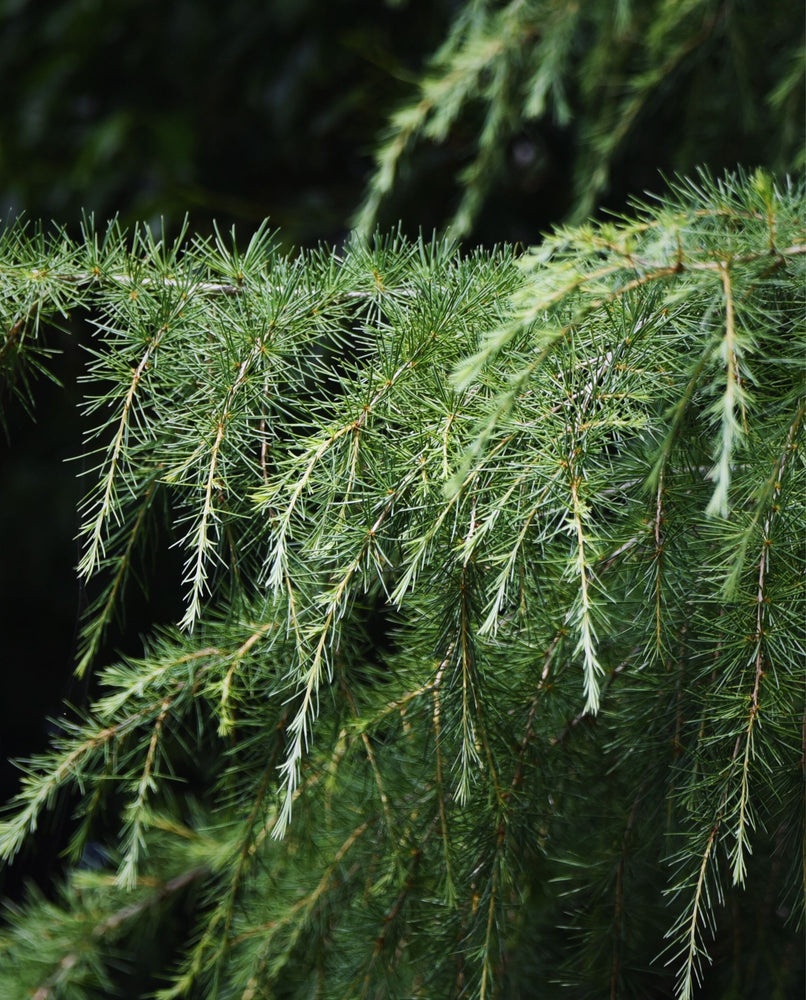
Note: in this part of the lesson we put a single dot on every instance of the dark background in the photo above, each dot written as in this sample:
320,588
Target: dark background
151,109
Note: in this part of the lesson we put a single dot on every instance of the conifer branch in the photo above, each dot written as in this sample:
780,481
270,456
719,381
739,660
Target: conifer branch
393,571
101,615
108,502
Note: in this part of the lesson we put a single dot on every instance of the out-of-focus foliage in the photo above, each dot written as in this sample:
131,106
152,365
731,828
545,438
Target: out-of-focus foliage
631,88
235,111
528,110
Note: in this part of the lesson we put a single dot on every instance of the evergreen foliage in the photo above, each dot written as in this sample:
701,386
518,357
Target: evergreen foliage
490,677
605,73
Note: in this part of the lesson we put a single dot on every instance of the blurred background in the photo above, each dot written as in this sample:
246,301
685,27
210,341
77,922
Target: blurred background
151,109
154,109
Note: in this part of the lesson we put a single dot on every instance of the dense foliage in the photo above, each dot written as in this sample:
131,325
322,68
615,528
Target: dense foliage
489,680
487,669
